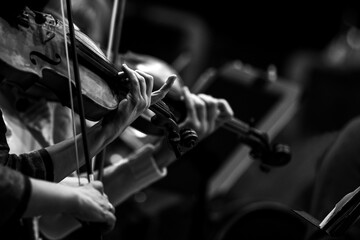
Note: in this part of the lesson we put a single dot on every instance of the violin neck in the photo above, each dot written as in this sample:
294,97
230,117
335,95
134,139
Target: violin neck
162,108
94,59
237,126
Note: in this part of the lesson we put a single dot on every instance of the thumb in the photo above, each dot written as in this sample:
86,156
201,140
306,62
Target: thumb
159,94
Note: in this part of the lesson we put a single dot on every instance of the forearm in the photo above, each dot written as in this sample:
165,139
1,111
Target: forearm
49,198
63,154
15,194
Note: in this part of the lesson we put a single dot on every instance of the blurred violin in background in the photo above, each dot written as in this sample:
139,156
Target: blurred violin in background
258,141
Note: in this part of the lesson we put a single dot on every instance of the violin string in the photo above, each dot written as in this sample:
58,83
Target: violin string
71,98
91,52
163,108
97,59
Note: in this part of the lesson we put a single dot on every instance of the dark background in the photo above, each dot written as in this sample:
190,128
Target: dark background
257,32
260,34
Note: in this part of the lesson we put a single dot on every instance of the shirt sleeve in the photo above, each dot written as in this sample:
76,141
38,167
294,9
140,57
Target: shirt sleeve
36,164
15,193
133,174
144,167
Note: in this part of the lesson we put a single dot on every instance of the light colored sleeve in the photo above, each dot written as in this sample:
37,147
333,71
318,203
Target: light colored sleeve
131,175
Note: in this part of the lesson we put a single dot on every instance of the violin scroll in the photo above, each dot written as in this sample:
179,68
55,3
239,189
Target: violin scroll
270,155
189,138
179,139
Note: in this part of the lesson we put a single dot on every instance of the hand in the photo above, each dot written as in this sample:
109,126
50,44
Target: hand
93,206
137,100
205,113
133,105
159,94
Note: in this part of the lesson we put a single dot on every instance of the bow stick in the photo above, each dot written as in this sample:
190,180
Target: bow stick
89,170
73,51
117,17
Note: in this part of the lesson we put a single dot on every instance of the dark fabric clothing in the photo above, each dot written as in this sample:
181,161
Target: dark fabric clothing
36,164
15,193
15,186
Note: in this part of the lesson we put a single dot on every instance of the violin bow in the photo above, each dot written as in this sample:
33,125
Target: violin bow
73,51
117,18
89,170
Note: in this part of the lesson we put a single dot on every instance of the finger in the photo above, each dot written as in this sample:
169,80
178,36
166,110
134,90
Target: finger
110,220
163,90
212,110
201,112
189,103
142,84
106,196
149,80
226,112
98,186
111,208
133,80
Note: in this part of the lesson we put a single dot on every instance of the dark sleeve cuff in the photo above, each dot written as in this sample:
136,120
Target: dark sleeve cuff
49,167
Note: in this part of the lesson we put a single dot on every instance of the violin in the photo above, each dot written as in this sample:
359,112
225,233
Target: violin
32,53
258,141
33,58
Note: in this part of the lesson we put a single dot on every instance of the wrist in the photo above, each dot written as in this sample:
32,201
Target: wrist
109,132
102,133
72,202
50,198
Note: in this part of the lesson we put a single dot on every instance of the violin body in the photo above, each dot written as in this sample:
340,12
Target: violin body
32,54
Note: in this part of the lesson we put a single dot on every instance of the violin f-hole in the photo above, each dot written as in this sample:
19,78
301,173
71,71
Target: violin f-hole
43,57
